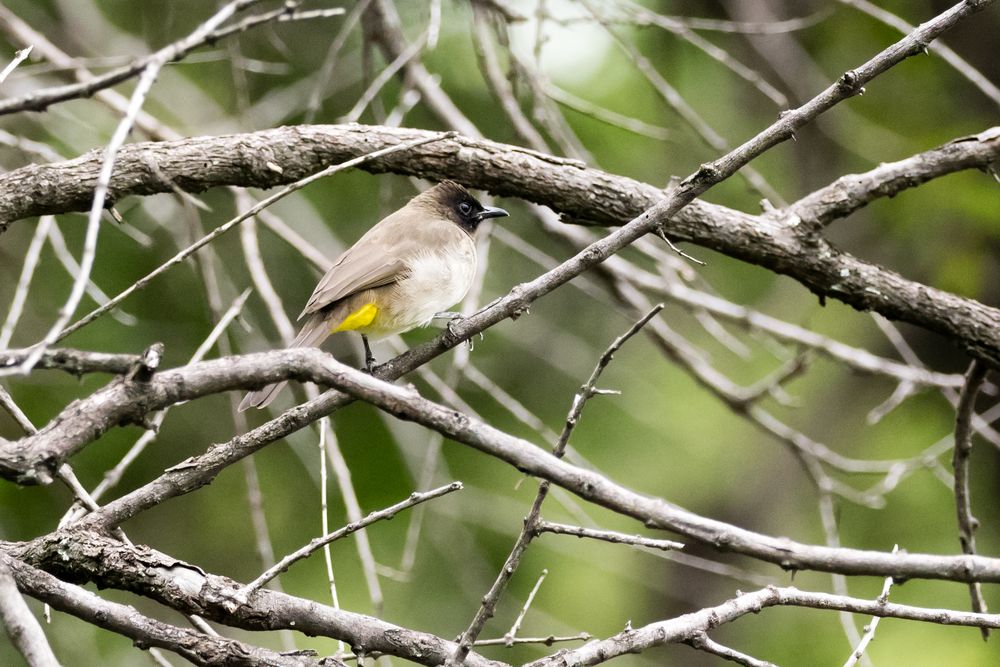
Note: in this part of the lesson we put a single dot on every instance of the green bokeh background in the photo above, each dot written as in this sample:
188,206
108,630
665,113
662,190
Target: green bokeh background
664,435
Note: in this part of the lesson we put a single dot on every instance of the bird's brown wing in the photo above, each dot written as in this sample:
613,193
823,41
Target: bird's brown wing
378,258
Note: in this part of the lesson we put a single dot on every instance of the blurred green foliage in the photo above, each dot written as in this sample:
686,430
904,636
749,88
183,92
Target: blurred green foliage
664,435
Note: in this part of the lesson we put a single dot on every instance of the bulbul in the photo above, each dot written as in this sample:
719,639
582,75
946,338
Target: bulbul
414,263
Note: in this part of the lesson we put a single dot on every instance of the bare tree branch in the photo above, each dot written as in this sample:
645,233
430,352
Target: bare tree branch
35,458
703,642
606,536
967,523
853,191
74,362
308,364
197,647
40,100
526,457
626,271
859,651
960,65
683,628
576,191
19,58
389,512
79,555
382,25
21,625
528,530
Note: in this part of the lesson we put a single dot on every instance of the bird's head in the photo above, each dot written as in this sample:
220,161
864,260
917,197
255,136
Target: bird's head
452,201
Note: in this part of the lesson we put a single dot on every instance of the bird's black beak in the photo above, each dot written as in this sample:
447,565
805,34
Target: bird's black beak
492,212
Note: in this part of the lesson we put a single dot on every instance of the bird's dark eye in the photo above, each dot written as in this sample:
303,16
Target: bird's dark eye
465,208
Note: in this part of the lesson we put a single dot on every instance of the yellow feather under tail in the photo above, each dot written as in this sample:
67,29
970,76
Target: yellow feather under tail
360,318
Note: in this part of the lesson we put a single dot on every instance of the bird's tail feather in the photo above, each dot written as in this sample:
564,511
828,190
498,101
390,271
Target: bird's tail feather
314,332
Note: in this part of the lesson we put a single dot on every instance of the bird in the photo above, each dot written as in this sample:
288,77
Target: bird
412,265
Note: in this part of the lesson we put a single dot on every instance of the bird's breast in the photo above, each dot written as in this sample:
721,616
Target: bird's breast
439,279
436,280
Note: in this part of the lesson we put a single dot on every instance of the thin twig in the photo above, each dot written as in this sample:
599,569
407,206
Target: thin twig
489,64
607,116
606,536
967,523
831,531
325,74
702,642
961,66
545,641
114,475
720,55
586,391
14,410
410,53
488,605
224,321
65,257
512,633
742,401
505,399
44,152
149,73
883,597
281,229
672,97
260,278
640,16
331,579
282,565
19,57
208,32
895,336
342,473
384,25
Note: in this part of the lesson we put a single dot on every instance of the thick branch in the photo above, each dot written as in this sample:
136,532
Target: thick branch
849,193
654,512
197,647
75,362
313,365
272,157
126,400
269,158
81,556
685,627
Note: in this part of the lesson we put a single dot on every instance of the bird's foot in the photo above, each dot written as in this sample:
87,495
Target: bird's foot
450,320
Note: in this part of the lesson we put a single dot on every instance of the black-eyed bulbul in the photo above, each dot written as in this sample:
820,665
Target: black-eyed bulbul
413,264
